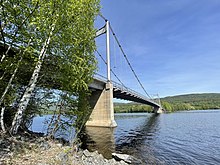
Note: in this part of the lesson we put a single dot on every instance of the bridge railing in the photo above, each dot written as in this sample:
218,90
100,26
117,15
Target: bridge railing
130,91
124,88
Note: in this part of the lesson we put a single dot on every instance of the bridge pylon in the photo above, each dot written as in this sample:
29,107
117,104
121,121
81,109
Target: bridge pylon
101,103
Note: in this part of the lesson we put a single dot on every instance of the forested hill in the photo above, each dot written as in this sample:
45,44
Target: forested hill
192,101
176,103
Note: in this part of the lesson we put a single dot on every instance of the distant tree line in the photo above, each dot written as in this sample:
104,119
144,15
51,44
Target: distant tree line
131,108
176,103
192,102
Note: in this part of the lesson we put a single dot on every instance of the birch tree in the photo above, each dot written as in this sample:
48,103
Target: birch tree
31,86
13,33
61,28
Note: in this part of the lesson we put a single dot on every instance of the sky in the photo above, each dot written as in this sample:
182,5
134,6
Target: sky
173,45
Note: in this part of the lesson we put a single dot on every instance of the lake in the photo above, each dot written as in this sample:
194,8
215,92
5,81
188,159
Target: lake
187,137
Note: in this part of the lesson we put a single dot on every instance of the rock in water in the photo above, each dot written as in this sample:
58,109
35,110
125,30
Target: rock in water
126,158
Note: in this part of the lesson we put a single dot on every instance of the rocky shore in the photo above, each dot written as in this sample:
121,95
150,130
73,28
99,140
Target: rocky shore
38,150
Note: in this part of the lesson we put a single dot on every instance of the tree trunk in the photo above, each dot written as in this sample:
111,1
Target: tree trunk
30,88
4,54
13,75
10,81
2,119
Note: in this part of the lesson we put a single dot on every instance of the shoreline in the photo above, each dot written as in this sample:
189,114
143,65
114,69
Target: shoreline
36,149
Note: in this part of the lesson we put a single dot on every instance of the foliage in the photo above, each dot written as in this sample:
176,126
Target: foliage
167,106
69,64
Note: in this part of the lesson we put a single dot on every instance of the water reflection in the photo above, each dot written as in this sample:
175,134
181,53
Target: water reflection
40,124
138,135
139,140
101,139
132,131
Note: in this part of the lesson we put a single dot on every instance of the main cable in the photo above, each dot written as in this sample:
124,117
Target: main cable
102,17
110,68
125,56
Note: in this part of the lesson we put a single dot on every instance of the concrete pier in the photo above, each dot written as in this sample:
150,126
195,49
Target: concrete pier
158,110
103,111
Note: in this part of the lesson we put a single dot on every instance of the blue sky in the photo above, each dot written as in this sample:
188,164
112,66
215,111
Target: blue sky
173,45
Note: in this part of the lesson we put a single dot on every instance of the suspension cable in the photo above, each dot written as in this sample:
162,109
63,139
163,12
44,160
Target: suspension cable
102,17
126,58
110,68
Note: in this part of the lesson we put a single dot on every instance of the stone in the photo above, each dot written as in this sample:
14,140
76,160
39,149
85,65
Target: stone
18,137
63,157
44,145
59,145
22,139
111,161
10,153
87,153
94,158
6,149
126,158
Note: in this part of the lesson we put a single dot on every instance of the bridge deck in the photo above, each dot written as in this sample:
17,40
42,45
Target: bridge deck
122,92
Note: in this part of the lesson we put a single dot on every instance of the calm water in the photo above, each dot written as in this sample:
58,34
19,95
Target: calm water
40,124
178,138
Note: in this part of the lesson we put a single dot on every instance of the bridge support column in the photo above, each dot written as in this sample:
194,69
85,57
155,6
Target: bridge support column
158,110
103,111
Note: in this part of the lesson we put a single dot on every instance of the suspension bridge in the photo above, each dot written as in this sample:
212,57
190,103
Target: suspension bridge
105,89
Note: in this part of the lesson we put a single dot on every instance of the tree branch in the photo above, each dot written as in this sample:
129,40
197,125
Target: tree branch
17,30
2,33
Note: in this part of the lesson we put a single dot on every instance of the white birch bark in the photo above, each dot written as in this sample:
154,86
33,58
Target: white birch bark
6,90
10,81
3,96
3,56
31,86
2,119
